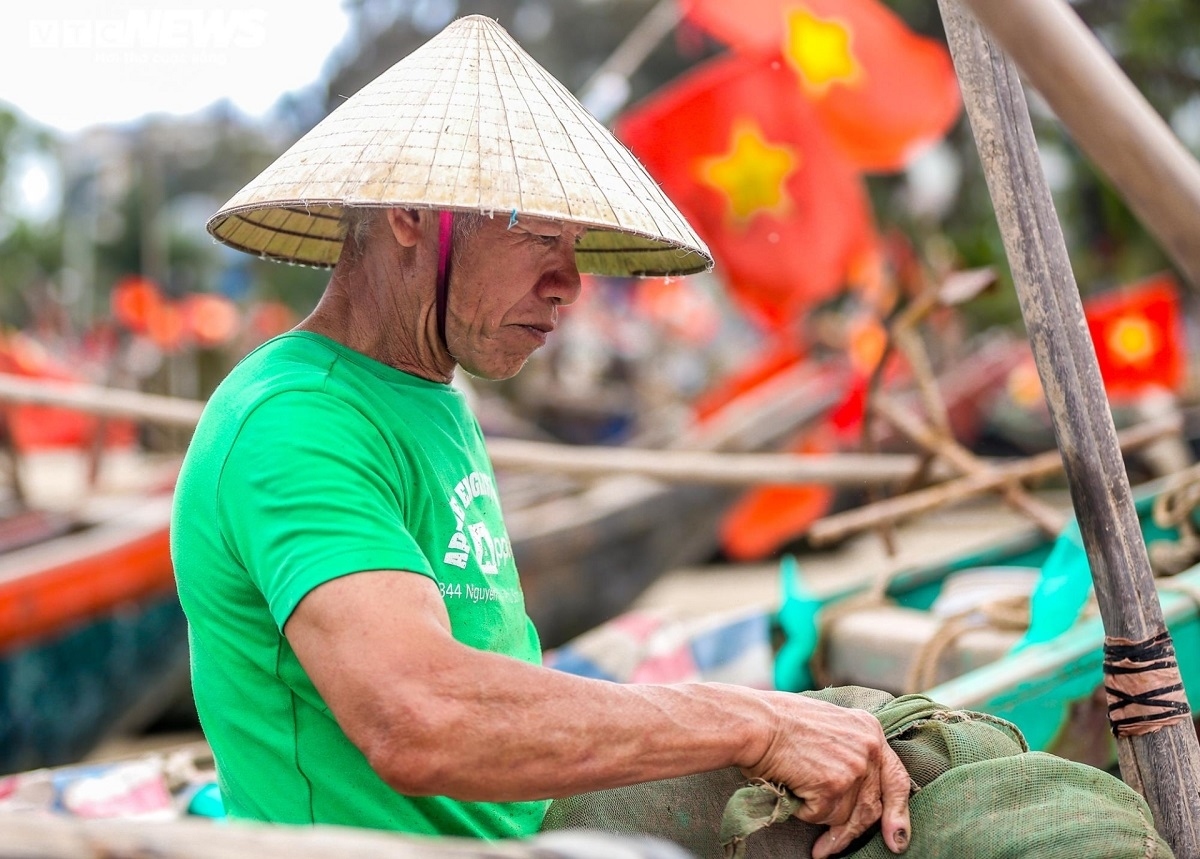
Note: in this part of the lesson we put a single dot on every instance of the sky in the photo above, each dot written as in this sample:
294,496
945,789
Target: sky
70,64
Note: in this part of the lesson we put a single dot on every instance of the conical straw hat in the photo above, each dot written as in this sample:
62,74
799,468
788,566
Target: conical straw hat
468,122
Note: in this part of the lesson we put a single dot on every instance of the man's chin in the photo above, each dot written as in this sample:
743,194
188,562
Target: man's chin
494,373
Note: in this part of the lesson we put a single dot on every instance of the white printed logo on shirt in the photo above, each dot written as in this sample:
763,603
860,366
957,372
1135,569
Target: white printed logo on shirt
489,551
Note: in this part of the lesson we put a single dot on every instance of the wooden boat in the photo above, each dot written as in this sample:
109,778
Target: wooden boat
585,557
92,639
1048,690
586,552
1052,690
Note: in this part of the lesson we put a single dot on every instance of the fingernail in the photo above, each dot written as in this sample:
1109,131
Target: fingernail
901,838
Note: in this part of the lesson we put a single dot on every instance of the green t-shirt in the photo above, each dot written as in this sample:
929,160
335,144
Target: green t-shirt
311,462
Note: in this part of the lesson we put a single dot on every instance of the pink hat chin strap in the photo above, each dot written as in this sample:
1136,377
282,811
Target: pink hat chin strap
445,232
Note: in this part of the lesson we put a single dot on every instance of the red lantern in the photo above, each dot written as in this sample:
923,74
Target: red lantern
134,301
211,320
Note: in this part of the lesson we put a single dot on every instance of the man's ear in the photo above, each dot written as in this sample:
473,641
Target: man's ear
405,225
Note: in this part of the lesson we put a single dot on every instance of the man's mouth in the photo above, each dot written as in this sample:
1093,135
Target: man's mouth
538,330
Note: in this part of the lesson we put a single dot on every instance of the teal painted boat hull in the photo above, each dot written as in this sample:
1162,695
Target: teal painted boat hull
62,695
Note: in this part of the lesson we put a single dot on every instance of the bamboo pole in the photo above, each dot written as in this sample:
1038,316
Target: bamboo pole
1111,121
98,400
681,466
841,525
607,90
726,469
1162,761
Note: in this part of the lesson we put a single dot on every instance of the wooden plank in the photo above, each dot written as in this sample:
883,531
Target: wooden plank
1163,763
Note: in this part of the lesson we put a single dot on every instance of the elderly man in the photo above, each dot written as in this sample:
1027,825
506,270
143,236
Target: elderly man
337,505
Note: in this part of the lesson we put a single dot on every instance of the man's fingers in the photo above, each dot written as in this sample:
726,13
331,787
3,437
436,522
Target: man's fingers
895,822
865,812
820,809
830,842
831,808
835,839
883,798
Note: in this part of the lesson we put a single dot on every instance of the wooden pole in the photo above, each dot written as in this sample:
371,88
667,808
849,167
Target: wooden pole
680,466
607,90
1164,758
99,400
725,469
1050,520
1110,120
840,525
28,836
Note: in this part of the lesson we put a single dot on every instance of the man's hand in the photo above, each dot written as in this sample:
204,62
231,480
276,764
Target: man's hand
838,762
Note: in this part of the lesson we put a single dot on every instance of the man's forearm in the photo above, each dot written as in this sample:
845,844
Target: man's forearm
478,726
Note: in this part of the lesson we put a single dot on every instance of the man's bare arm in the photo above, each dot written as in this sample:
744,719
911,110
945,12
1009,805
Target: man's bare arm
434,716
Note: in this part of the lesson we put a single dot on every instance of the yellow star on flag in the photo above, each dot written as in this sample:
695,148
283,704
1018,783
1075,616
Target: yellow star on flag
751,174
821,50
1133,340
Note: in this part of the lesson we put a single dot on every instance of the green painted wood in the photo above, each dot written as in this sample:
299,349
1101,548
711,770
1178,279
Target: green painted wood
1039,688
1036,687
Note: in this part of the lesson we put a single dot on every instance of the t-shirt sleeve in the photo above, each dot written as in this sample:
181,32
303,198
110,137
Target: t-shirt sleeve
304,498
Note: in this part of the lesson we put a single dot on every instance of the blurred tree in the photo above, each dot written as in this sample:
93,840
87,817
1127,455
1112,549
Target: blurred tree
180,173
204,160
30,247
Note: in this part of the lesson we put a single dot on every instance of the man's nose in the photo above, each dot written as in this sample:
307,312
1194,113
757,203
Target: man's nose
565,286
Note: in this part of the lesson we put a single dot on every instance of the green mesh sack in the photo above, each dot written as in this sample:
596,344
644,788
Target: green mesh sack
978,793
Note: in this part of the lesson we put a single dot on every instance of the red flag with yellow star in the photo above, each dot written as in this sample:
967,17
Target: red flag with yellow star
882,91
783,211
1136,332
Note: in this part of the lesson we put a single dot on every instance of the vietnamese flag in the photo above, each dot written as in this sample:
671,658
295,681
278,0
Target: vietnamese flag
881,91
744,157
1137,334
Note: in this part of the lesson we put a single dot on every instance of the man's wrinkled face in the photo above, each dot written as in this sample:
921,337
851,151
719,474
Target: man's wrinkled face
506,285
